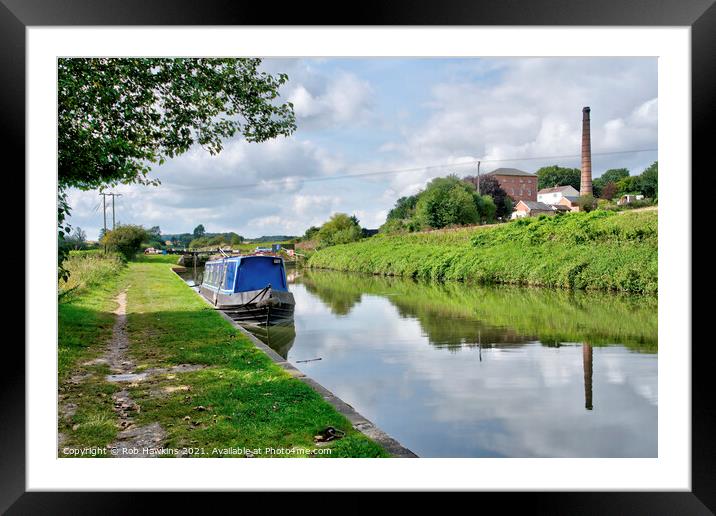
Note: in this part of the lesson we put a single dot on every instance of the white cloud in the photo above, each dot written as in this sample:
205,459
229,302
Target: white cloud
343,99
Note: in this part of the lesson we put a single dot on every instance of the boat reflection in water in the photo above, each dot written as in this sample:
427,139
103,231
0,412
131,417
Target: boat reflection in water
279,337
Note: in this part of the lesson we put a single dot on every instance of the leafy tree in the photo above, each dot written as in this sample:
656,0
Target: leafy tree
77,239
548,177
117,116
199,231
629,185
488,209
446,201
404,208
311,233
614,175
609,190
125,240
649,181
489,185
339,229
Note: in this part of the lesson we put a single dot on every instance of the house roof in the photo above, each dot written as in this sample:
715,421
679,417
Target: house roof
572,198
536,205
509,172
557,189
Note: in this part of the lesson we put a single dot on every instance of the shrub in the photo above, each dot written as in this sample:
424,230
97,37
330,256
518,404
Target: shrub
587,203
446,201
125,240
340,229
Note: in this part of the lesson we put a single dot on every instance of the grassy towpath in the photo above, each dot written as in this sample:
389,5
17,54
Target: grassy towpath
185,380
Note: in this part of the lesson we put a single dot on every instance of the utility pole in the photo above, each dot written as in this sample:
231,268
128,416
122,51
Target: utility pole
104,216
104,210
478,178
113,196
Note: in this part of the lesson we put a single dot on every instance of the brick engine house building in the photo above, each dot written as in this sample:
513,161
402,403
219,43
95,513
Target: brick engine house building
518,184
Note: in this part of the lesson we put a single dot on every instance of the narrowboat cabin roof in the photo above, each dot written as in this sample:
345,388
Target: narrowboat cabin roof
245,273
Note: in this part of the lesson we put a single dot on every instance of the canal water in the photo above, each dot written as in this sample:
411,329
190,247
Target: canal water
454,370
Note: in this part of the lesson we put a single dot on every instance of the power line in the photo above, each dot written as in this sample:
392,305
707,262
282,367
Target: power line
397,171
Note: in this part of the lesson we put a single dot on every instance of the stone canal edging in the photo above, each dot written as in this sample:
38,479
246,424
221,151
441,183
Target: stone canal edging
359,422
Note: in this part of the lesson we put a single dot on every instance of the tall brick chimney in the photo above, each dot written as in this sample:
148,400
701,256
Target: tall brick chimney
585,185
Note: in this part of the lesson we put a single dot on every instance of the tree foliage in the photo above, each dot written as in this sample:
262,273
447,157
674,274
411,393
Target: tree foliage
216,239
445,201
489,185
404,208
587,203
649,181
125,240
629,185
450,201
339,229
75,240
554,175
609,191
311,233
613,175
199,231
117,115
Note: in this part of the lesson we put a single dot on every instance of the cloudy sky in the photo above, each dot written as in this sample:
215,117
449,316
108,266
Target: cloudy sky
414,119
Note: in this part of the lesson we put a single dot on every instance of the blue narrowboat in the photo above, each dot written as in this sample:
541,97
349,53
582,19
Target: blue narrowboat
250,289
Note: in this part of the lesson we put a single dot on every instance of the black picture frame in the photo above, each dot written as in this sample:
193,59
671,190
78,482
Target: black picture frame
700,15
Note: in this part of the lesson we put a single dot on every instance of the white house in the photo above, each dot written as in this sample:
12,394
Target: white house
556,194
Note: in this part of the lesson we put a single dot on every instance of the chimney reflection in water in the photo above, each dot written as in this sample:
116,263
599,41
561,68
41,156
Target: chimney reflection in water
587,363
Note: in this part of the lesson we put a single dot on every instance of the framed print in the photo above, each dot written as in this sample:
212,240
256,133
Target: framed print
426,242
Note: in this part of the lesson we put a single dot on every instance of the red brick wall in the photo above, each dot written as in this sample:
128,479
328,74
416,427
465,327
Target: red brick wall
520,188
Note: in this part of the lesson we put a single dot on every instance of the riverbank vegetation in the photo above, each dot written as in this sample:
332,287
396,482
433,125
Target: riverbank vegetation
597,250
88,269
233,396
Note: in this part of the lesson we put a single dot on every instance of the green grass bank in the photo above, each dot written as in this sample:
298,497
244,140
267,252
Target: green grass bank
239,399
598,250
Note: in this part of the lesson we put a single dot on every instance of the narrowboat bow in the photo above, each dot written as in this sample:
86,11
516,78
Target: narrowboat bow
250,289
